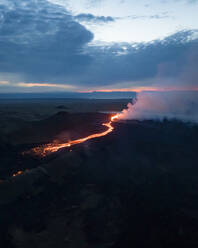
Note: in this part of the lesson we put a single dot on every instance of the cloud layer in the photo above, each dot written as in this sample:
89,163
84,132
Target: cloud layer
92,18
40,41
43,43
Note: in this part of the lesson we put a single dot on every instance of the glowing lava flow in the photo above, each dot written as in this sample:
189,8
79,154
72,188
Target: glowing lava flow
17,173
53,147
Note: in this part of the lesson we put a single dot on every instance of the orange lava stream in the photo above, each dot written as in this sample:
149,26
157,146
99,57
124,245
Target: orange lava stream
17,173
53,147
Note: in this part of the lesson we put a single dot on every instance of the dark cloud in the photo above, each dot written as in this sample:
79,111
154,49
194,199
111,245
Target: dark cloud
40,42
92,18
125,63
107,19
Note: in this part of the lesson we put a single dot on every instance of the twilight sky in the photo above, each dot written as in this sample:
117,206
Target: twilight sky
88,45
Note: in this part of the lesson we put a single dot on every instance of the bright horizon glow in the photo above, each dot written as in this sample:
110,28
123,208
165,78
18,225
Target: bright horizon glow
72,89
42,87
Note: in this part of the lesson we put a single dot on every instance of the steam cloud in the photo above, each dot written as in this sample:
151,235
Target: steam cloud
160,105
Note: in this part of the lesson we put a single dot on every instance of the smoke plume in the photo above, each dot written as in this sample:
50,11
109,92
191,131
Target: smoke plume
160,105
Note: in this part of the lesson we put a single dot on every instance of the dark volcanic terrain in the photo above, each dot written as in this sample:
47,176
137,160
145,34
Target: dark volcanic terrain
136,187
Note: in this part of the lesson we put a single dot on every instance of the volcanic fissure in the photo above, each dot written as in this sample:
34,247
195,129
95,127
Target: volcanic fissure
54,147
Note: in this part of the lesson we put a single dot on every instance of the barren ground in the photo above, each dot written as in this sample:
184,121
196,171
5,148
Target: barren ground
136,187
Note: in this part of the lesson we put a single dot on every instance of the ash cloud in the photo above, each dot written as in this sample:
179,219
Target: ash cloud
182,106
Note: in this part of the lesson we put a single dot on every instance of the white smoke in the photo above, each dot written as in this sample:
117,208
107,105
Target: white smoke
160,105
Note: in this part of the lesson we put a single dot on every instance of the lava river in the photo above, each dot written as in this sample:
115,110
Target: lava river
54,147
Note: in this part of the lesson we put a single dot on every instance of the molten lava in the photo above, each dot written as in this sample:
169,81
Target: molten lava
53,147
17,173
